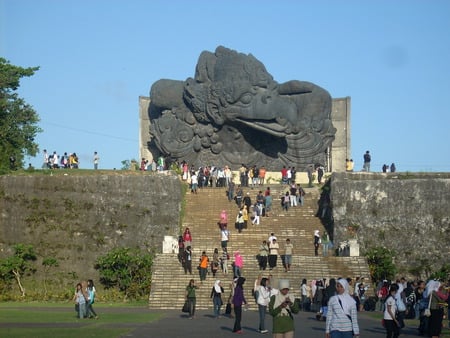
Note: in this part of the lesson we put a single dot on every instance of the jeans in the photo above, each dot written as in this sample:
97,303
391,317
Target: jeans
262,316
341,334
90,311
191,302
203,272
217,302
82,310
325,249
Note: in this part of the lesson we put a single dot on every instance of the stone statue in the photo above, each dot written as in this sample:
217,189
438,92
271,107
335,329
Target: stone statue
233,112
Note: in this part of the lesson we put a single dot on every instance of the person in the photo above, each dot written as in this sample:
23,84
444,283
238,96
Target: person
239,196
96,159
390,320
271,237
367,159
382,293
216,295
262,175
224,236
438,298
393,168
305,294
247,201
80,301
351,165
161,163
284,175
181,249
240,221
238,301
75,161
309,171
203,266
255,214
188,260
317,241
342,320
288,247
281,307
268,201
301,195
191,298
325,243
238,263
263,252
285,201
194,182
328,292
362,288
273,253
317,298
230,190
224,261
347,165
45,164
228,181
91,299
293,195
256,286
263,299
320,172
187,237
215,262
245,216
400,301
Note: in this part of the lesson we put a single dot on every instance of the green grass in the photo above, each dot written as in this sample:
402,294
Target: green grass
59,320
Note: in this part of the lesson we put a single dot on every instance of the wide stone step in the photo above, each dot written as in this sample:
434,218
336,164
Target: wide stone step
171,286
201,216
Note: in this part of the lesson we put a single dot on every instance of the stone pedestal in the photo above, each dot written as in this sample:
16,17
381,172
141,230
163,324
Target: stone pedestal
170,244
353,247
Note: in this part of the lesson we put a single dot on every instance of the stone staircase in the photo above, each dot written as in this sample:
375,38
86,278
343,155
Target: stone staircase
201,216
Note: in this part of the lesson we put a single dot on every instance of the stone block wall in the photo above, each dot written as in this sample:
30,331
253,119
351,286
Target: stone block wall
76,219
406,212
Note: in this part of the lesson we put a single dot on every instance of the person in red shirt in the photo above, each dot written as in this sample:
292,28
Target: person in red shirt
187,238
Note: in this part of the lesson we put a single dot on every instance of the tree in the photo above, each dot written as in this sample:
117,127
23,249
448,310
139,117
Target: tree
127,269
381,265
48,263
16,266
18,120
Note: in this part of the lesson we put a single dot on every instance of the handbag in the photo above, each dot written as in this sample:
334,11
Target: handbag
400,305
228,309
185,307
427,311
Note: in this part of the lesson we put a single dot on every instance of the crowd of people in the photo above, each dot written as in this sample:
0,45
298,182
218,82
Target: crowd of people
398,300
336,302
65,161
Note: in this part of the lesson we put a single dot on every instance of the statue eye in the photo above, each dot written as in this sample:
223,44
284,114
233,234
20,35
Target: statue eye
246,98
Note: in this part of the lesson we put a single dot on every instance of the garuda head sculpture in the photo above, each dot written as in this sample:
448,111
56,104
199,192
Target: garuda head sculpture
233,112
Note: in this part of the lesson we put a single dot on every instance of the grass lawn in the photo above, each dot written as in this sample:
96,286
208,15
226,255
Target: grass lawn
59,320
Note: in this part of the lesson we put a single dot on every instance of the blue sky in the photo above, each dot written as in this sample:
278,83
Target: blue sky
97,57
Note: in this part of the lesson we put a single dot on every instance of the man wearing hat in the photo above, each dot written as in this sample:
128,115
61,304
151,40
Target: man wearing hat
281,307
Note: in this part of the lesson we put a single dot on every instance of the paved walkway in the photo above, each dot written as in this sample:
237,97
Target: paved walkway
175,324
